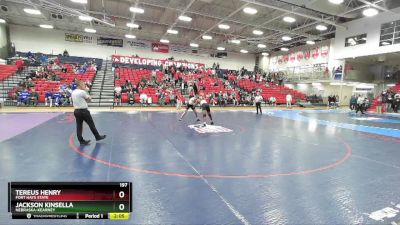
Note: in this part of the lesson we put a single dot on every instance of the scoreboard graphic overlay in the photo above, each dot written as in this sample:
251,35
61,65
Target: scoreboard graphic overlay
70,200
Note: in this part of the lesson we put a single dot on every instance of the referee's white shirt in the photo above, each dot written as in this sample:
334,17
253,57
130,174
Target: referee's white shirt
258,98
79,99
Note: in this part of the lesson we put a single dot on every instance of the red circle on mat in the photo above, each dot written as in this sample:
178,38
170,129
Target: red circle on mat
218,176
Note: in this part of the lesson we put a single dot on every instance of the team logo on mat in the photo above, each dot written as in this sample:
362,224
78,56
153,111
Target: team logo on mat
199,128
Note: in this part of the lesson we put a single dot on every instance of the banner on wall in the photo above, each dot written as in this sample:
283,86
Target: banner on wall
78,38
159,47
153,62
138,44
110,42
315,54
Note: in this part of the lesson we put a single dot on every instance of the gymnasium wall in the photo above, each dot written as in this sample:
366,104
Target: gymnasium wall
372,27
4,41
326,89
272,62
53,42
359,72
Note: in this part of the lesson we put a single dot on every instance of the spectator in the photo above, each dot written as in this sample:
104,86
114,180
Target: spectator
44,60
20,65
131,98
48,98
221,99
361,104
389,101
64,99
34,97
88,84
178,103
57,99
272,101
135,89
353,102
143,99
23,98
378,105
384,96
396,102
288,100
65,53
117,95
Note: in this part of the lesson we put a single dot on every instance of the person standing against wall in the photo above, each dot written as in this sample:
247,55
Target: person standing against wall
379,105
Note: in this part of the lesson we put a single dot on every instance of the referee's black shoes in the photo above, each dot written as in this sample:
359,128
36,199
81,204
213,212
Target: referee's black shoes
85,142
101,137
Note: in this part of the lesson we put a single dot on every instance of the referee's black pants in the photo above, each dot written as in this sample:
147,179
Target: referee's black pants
84,115
258,106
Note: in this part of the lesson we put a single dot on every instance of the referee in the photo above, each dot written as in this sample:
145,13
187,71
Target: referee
79,99
258,99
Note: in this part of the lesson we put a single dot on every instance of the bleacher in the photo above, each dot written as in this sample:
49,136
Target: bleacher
135,76
7,71
278,91
41,86
65,59
215,85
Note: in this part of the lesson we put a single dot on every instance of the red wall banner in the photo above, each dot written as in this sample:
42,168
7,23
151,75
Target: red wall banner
154,62
159,47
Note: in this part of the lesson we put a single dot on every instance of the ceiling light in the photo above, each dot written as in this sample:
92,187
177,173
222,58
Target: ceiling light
336,2
385,43
85,18
370,12
46,26
132,25
289,19
258,32
250,11
286,38
2,21
80,1
261,46
310,42
32,11
130,36
223,26
321,27
172,32
235,41
221,49
284,49
244,51
164,41
90,30
207,37
136,10
265,54
194,45
185,18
